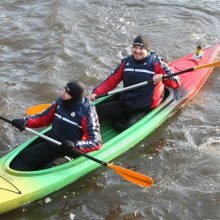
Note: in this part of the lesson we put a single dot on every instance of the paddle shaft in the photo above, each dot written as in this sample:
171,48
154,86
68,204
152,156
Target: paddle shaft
5,119
39,108
163,78
58,143
129,175
143,83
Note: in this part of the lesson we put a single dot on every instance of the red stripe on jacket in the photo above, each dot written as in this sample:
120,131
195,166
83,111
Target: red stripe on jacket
159,87
43,119
111,82
91,140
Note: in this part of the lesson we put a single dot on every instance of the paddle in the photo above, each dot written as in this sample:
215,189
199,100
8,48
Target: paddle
39,108
129,175
163,78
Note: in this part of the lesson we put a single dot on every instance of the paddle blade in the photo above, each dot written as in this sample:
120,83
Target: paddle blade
36,109
132,176
207,65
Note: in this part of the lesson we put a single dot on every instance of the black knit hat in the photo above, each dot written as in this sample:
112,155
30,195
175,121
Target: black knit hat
141,41
76,90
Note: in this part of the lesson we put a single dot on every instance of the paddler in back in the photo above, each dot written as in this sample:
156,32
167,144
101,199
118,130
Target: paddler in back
74,123
142,65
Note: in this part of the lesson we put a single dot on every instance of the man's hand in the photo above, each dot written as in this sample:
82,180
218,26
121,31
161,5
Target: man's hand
19,123
67,146
92,96
157,78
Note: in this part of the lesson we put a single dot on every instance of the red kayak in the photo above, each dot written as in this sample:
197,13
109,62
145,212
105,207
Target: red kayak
193,81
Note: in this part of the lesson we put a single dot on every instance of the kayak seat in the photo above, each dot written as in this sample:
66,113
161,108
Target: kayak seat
125,124
135,117
58,161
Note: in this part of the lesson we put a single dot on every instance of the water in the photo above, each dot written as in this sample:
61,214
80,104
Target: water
44,44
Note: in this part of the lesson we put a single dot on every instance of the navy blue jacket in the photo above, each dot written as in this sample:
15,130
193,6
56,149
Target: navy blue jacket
77,122
132,72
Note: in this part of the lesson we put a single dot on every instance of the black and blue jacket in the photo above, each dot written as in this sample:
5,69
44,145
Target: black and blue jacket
77,122
131,72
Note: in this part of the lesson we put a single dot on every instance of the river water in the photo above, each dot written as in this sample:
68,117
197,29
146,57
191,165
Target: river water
44,44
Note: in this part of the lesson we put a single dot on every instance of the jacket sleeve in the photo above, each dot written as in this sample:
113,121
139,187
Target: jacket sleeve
162,68
91,140
43,119
112,81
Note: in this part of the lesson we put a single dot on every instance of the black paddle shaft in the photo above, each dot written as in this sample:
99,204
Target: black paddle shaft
5,119
90,157
177,73
75,151
143,83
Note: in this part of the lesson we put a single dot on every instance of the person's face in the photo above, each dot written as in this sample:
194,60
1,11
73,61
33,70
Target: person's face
138,52
65,95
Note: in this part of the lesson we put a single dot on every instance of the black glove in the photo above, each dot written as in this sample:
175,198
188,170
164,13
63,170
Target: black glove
67,146
19,123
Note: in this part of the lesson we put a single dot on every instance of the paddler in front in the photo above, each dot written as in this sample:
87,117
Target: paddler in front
74,123
142,65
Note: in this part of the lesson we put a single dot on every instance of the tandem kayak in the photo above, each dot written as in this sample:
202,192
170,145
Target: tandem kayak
18,187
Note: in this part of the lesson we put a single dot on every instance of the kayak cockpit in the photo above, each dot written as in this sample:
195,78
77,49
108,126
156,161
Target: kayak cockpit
108,133
109,129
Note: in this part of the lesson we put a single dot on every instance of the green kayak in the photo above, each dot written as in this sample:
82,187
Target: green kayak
18,188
